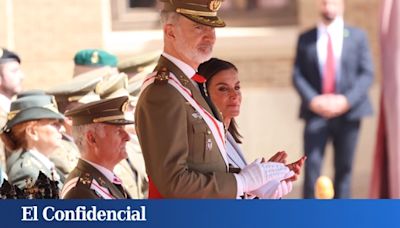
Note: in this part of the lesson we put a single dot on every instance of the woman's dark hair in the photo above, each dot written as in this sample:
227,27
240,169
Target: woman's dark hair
208,70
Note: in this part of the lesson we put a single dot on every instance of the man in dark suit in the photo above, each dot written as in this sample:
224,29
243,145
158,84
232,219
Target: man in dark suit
99,132
332,74
183,143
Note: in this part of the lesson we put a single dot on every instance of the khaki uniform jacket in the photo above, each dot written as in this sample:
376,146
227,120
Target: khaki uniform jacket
86,174
174,142
66,156
23,167
3,120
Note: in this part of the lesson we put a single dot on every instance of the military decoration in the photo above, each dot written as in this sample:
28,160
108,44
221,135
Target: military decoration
214,5
95,57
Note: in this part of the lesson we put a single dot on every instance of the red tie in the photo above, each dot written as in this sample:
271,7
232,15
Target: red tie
198,78
329,70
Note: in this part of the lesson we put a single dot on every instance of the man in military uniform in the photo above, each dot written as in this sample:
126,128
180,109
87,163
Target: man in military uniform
11,77
99,132
182,139
132,169
89,59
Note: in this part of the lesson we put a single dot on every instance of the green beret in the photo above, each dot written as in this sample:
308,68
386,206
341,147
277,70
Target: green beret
95,57
34,107
200,11
6,56
110,111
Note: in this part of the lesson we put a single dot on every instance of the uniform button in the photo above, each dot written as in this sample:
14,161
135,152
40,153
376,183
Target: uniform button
208,132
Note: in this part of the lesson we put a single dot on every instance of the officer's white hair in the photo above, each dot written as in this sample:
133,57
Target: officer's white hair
79,135
167,17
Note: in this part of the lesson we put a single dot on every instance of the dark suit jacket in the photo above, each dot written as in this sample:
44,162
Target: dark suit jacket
356,72
87,173
173,141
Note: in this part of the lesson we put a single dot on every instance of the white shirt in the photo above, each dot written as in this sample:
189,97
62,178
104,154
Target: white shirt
5,103
233,157
335,30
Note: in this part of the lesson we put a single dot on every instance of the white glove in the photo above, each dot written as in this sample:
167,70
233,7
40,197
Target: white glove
257,174
275,189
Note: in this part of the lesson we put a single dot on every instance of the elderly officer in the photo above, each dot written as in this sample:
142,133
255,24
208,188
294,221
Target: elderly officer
99,132
182,139
11,77
89,59
132,169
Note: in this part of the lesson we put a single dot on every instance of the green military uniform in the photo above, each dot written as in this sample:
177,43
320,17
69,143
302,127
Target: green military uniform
86,180
23,169
23,165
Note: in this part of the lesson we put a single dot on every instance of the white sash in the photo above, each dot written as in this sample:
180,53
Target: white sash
216,127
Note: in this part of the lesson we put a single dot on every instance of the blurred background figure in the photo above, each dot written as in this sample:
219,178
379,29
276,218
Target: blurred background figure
332,74
32,132
89,59
386,170
11,77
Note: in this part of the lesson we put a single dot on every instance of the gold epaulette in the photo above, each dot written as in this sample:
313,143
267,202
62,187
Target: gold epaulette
162,76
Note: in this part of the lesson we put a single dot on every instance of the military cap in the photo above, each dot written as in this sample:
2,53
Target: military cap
80,88
32,108
110,111
113,86
6,56
95,57
200,11
139,63
33,92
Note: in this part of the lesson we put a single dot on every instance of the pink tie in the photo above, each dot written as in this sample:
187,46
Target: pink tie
329,70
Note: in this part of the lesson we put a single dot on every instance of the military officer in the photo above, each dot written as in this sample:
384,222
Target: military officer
11,77
132,169
32,132
79,90
89,59
99,132
180,132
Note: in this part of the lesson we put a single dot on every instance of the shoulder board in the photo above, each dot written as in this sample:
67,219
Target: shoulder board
162,76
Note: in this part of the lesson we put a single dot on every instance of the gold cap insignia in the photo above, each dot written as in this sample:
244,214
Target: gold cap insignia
214,5
95,57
